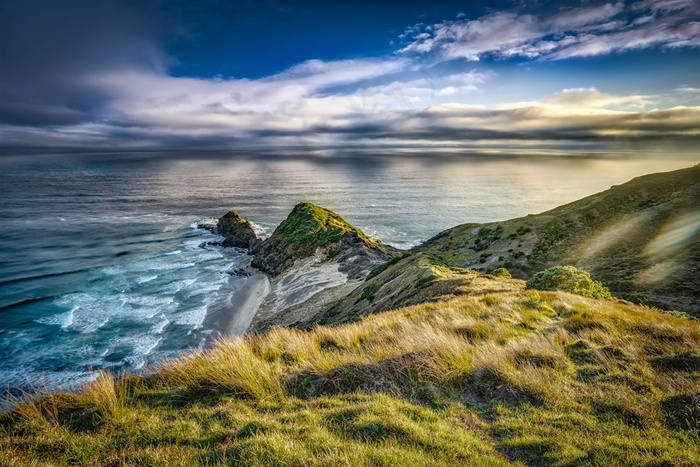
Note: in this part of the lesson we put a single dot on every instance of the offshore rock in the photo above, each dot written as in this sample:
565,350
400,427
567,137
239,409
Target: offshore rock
238,232
210,226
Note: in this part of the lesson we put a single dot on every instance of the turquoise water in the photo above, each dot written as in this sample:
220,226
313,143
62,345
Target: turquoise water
101,266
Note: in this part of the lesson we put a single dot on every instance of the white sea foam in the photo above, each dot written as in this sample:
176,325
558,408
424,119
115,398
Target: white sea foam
260,230
141,348
64,320
193,317
171,266
144,279
128,315
160,326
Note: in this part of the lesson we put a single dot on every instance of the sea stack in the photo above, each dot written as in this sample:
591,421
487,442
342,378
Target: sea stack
238,231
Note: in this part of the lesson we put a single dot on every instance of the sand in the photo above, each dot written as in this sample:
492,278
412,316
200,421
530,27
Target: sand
246,303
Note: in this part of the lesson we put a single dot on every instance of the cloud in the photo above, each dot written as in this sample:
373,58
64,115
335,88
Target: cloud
48,48
105,84
592,98
575,18
663,6
495,33
204,114
571,32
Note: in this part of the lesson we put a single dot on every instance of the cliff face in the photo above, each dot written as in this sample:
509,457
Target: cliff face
309,228
407,280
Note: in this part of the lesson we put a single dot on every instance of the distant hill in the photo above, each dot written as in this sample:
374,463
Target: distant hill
641,239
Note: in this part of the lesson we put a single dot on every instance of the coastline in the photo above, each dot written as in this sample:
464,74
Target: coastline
246,303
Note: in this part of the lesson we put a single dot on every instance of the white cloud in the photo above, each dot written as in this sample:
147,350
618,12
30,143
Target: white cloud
593,98
663,6
470,39
574,32
574,18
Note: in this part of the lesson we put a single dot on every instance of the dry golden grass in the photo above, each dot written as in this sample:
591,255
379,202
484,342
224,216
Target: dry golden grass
495,379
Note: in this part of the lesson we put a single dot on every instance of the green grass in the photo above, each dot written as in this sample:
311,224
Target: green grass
509,378
309,227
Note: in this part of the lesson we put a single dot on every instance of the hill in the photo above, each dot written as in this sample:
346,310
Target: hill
510,378
310,228
641,239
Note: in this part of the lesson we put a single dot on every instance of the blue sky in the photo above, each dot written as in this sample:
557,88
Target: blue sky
515,76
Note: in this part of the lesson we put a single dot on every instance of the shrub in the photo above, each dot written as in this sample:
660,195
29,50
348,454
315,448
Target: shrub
568,279
502,272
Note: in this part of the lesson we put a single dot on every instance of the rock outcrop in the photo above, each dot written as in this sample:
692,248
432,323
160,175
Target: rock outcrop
309,228
237,231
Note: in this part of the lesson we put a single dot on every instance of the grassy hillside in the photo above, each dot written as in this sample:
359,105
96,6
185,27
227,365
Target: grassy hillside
510,378
406,280
641,239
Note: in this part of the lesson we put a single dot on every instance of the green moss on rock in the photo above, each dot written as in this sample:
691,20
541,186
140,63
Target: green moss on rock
308,228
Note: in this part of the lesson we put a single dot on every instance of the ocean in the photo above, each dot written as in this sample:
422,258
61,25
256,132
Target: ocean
102,266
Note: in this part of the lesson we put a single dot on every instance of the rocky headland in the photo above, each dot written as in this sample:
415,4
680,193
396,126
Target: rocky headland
313,257
642,239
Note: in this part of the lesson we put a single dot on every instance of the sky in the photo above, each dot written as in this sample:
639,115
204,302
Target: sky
523,76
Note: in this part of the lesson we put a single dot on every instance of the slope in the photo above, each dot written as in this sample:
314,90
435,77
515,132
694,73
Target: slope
510,378
641,239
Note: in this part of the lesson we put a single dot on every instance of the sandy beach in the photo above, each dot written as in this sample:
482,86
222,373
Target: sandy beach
246,303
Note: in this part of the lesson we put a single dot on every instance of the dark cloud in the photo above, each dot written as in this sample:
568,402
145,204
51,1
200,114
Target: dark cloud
48,48
22,113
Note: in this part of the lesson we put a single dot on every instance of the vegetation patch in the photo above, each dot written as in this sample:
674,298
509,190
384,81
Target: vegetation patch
568,279
309,227
682,412
502,272
369,290
386,265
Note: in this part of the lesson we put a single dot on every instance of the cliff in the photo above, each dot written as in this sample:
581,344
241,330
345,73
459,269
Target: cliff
310,228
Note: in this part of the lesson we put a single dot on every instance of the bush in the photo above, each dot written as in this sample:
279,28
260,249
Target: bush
502,272
568,279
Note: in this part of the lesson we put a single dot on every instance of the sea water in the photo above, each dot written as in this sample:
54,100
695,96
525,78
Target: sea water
102,266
